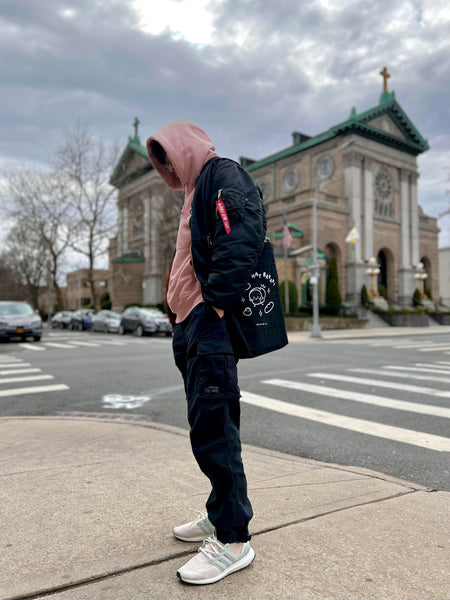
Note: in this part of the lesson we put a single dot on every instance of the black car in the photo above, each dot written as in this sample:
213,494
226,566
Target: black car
18,320
82,319
144,321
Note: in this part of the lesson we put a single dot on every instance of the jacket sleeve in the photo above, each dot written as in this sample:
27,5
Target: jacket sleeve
236,212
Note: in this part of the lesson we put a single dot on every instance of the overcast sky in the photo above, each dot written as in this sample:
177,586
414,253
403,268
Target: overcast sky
249,72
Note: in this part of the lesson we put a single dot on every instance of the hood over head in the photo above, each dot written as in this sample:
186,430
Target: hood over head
187,147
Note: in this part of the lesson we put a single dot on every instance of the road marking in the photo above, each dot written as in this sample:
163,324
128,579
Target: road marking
436,348
30,378
14,365
416,389
120,401
31,347
424,409
416,369
17,371
397,434
90,344
33,390
9,359
113,343
58,345
382,373
443,362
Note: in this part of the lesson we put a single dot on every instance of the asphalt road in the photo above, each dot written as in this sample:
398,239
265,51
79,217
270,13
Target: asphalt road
379,403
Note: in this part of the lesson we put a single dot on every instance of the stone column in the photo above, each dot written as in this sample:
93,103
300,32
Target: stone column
414,220
368,208
152,284
406,273
146,204
125,229
120,232
355,270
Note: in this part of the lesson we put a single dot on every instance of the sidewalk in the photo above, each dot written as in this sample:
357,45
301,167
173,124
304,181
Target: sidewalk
88,505
369,332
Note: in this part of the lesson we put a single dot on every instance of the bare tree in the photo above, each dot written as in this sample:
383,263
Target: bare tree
38,201
86,164
10,286
28,261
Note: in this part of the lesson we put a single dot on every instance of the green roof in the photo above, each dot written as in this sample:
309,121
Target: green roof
413,143
133,146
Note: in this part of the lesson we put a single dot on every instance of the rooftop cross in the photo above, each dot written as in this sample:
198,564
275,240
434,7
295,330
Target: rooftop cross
385,76
136,125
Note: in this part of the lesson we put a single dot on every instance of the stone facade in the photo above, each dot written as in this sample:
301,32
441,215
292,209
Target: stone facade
361,173
444,276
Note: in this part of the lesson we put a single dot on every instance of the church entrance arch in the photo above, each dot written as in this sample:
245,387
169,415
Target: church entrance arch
332,251
385,278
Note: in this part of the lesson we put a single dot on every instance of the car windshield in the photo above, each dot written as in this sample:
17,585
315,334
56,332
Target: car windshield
152,312
15,308
112,315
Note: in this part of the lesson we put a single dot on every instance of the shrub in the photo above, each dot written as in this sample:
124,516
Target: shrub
364,296
416,297
105,301
382,291
429,294
293,296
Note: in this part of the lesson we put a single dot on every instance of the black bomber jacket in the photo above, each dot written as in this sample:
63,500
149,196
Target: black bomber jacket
228,228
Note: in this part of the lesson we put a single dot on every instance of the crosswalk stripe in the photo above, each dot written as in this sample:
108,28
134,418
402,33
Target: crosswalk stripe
9,359
384,384
416,369
32,347
443,362
58,345
382,373
435,348
398,434
424,409
33,390
114,343
19,366
17,371
30,378
433,366
90,344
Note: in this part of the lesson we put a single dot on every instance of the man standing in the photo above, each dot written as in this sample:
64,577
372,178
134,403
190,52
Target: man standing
220,238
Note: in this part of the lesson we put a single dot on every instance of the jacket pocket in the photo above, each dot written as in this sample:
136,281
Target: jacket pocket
235,205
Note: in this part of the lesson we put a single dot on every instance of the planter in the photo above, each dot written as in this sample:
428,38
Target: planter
406,320
326,323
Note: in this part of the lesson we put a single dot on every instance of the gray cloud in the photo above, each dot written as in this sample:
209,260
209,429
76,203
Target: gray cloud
272,67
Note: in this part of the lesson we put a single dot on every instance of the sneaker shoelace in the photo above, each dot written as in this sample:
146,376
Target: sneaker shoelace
201,516
211,548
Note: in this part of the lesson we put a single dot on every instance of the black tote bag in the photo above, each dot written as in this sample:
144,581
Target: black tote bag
256,323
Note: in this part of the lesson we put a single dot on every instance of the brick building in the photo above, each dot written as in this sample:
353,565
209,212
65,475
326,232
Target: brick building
362,172
78,289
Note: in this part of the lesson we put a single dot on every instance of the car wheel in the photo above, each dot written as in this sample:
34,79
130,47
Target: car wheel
37,338
121,330
139,331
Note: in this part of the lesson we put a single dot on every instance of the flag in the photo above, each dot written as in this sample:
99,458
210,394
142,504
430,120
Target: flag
353,235
287,235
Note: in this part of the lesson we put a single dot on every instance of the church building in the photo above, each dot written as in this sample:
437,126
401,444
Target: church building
360,176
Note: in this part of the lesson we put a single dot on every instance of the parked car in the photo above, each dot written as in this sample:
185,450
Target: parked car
106,320
19,320
144,321
62,319
81,319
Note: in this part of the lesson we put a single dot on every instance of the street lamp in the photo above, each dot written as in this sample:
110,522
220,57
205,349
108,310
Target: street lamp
420,276
373,271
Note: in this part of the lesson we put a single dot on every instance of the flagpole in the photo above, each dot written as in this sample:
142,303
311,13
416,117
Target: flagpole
315,329
286,282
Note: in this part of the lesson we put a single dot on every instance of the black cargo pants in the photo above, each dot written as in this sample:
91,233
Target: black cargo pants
204,355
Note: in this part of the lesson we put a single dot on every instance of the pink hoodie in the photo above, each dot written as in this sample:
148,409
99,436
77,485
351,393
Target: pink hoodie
188,148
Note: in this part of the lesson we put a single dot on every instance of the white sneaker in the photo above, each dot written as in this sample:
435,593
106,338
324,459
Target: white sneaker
215,561
195,531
